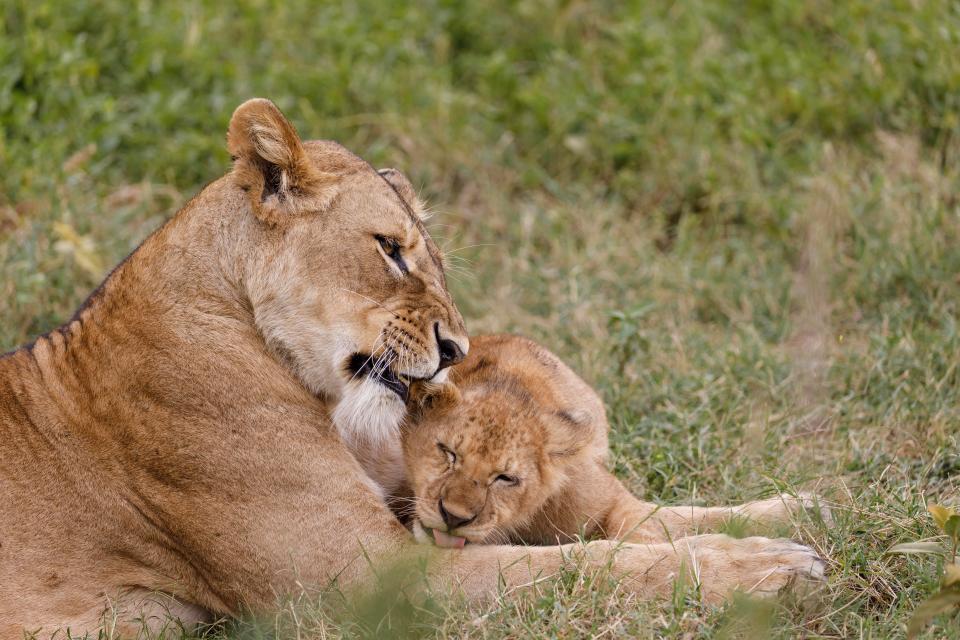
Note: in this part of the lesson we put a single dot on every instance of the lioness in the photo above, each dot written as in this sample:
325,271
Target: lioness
516,452
170,450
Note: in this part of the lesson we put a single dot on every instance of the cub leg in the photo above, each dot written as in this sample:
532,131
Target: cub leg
634,520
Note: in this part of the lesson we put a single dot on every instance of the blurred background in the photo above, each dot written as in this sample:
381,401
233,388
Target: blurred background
738,220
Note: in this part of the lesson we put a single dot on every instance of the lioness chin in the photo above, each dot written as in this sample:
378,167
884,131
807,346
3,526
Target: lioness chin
514,451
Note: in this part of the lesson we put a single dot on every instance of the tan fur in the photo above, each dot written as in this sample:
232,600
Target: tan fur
171,446
520,451
174,435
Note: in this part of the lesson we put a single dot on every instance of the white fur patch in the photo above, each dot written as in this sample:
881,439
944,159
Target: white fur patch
419,534
368,411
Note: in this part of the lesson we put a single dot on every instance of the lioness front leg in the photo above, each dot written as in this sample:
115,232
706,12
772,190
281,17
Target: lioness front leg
718,564
634,520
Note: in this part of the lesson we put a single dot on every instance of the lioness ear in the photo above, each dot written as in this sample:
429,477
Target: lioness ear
271,165
404,189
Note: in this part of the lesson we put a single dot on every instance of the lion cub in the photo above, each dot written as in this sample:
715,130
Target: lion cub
517,454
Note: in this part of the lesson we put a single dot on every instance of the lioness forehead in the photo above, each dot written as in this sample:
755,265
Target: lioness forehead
332,157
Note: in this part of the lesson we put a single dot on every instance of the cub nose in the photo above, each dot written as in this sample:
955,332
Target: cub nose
450,351
453,520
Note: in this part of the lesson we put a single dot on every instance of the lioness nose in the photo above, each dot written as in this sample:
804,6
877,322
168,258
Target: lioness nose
450,351
453,520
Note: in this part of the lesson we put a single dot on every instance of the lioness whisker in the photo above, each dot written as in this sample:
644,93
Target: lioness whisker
378,344
379,304
383,362
465,247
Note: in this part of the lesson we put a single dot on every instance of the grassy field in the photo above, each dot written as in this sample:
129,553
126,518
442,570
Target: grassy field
739,221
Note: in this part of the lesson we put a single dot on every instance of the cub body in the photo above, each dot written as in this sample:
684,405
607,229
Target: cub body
518,453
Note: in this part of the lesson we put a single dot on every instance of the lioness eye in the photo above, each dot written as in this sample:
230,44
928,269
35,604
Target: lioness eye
505,479
451,456
391,247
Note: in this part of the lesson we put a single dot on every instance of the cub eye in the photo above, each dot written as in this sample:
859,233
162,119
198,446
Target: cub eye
391,247
507,480
451,456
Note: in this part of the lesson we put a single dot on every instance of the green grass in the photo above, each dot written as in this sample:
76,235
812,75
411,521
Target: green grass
739,221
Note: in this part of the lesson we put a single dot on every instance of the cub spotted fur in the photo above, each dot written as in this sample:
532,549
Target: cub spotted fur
516,454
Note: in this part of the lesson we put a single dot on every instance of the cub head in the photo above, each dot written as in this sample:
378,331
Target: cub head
482,458
342,278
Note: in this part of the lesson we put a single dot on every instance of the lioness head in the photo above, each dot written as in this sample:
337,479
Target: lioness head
344,282
483,459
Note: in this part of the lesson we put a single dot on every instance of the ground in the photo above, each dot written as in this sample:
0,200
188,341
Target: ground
739,221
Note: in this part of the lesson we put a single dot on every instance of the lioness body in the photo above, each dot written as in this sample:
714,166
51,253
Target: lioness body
171,448
175,435
155,443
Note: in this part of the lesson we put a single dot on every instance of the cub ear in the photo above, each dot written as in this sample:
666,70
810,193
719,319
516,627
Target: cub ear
271,165
404,189
574,431
430,397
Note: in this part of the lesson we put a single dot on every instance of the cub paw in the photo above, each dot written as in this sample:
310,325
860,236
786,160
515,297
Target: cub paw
763,567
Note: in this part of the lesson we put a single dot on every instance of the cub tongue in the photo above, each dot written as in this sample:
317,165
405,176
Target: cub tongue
446,540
